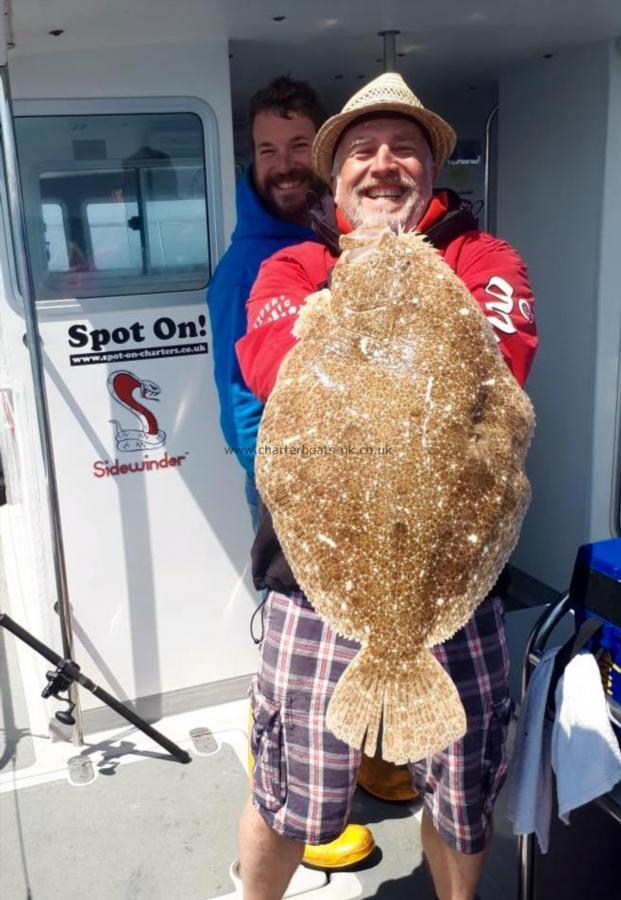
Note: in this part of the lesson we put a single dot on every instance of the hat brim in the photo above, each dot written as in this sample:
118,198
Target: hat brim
443,137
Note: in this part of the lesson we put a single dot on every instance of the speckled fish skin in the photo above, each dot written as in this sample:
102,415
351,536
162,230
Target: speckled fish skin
395,549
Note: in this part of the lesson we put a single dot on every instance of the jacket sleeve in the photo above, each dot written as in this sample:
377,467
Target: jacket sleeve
497,278
240,411
279,292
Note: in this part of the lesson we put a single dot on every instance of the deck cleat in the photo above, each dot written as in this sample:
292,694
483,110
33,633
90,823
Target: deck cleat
203,741
80,770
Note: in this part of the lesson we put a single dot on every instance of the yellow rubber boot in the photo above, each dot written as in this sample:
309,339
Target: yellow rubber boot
352,846
385,780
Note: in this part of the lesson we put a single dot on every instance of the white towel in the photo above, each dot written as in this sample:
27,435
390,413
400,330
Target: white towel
529,782
585,752
580,746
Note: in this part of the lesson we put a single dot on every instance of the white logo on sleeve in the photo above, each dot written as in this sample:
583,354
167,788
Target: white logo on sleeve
274,309
502,306
527,311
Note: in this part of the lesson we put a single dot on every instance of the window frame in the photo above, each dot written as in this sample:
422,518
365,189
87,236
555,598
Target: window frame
213,190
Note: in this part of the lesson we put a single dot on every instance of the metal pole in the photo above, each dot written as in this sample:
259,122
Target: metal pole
390,49
526,854
615,494
535,645
26,283
486,191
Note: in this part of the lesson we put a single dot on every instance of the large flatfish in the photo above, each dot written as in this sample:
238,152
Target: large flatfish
392,462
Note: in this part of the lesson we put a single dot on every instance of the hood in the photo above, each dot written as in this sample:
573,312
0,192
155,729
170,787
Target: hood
255,221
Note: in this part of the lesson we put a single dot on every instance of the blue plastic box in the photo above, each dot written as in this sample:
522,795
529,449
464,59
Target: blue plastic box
595,591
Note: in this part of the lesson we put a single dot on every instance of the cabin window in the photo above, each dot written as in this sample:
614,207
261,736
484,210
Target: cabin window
115,204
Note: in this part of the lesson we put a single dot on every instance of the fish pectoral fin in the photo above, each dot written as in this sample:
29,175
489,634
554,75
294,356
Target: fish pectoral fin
316,307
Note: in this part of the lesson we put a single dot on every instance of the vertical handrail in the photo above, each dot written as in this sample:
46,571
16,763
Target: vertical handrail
614,517
615,499
535,645
486,188
26,283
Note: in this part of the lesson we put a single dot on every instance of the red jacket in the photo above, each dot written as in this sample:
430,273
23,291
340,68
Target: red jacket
491,270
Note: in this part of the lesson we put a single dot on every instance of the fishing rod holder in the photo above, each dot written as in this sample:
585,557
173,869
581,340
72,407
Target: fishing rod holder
68,672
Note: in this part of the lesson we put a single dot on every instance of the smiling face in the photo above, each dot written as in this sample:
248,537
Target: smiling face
384,173
282,163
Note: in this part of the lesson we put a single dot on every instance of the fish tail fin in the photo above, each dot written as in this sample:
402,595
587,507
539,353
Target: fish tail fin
422,711
355,710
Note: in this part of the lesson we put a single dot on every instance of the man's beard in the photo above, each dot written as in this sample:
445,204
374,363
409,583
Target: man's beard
409,215
294,208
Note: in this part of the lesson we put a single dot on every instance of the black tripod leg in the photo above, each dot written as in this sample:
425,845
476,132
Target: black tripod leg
72,672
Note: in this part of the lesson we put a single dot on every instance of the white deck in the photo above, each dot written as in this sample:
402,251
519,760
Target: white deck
157,828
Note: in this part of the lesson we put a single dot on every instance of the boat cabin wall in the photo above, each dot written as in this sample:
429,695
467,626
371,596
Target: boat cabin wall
559,203
130,626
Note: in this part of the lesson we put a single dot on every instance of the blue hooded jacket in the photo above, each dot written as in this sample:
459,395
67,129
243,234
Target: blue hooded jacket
257,235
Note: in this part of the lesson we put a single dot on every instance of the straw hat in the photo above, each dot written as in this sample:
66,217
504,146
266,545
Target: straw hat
388,92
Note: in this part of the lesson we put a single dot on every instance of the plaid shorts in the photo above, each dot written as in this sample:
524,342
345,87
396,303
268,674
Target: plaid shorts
304,778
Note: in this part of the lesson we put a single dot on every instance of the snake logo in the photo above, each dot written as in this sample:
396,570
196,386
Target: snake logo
122,386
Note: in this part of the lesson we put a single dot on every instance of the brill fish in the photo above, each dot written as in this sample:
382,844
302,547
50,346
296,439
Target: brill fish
393,469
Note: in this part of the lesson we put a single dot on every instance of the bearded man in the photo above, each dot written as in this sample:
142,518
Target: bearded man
272,213
381,156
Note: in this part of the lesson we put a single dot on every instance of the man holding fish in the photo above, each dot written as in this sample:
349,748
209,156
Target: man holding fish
381,156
